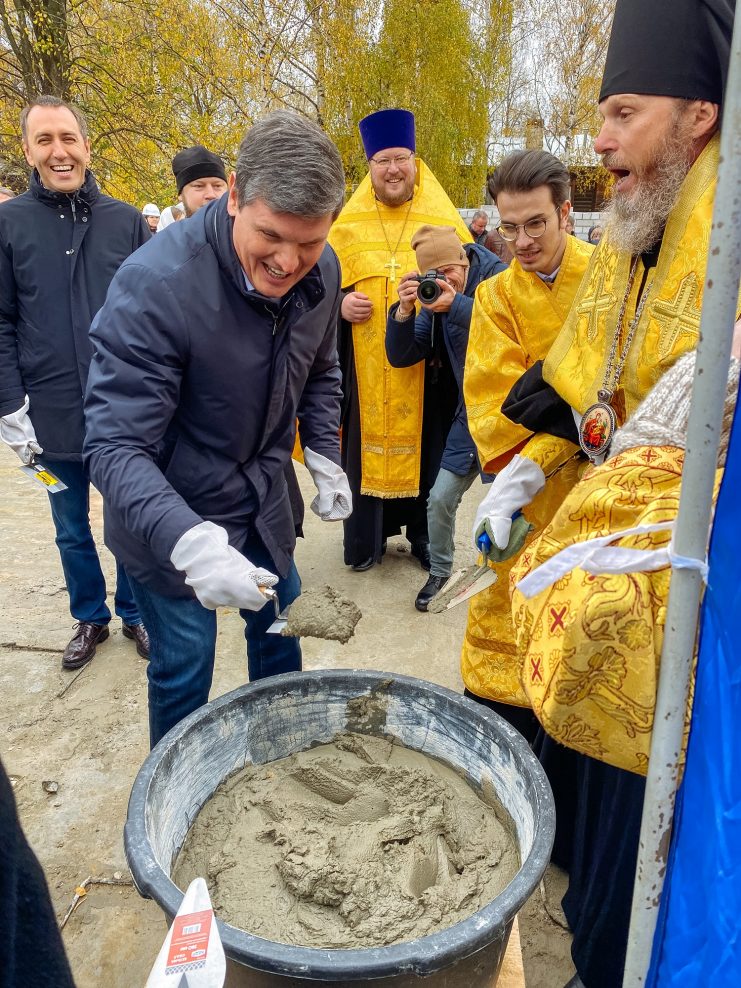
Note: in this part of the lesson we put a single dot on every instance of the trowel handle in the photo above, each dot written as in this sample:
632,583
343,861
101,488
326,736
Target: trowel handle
271,594
484,542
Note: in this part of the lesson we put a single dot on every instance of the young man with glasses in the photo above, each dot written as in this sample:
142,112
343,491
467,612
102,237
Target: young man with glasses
385,441
516,317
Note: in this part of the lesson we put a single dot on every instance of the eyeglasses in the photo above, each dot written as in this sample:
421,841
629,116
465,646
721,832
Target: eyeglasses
533,228
398,160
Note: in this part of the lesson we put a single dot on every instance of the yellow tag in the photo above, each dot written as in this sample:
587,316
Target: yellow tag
46,478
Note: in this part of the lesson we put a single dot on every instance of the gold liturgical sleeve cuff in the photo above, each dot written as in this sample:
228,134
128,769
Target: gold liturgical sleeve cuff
549,452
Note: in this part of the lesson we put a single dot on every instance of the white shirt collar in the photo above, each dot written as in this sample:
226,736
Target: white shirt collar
548,279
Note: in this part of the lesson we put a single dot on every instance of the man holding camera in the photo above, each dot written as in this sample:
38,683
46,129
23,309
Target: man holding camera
439,337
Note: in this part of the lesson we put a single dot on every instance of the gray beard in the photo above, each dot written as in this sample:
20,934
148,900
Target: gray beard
635,223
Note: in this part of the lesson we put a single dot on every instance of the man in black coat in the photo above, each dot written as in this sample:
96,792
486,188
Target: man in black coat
213,340
439,336
60,245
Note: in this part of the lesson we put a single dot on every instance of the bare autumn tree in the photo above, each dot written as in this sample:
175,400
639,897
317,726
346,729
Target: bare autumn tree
35,58
573,38
154,76
512,94
34,49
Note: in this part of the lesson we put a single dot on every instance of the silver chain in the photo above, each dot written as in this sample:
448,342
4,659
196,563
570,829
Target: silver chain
612,377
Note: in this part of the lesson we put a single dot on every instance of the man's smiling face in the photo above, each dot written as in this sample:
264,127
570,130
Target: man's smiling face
55,147
393,183
276,250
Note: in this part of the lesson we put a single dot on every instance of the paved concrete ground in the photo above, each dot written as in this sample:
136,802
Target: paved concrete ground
92,738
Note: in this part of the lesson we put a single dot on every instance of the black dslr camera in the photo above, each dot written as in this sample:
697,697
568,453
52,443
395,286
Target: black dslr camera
428,291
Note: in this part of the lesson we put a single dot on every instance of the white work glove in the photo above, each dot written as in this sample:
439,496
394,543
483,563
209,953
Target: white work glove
334,500
509,492
17,432
220,576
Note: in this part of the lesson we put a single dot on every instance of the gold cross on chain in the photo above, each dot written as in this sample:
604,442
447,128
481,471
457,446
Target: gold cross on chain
393,264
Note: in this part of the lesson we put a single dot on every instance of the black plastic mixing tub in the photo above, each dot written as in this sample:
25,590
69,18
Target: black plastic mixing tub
276,717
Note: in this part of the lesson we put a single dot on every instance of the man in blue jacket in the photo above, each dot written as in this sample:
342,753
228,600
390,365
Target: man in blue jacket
439,335
211,343
60,244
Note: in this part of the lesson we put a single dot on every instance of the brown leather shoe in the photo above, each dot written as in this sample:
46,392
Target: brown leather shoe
82,645
138,633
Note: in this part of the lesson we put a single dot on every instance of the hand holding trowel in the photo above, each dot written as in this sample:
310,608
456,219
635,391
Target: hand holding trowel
499,531
320,612
192,955
17,432
222,577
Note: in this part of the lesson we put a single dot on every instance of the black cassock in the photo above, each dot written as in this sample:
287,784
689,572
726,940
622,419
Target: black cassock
598,824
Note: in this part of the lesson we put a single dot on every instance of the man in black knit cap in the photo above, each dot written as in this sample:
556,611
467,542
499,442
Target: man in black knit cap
200,177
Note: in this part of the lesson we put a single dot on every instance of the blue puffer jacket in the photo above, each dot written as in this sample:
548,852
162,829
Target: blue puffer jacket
410,340
194,389
58,254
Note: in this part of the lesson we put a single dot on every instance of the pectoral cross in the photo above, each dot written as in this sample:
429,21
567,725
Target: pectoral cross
393,264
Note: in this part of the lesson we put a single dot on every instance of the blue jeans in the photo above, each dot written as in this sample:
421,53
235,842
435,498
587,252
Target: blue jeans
442,505
70,511
182,645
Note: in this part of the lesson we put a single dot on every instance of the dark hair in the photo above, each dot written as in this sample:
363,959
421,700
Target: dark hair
53,101
289,162
527,170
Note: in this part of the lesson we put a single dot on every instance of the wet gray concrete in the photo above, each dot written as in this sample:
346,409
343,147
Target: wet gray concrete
92,739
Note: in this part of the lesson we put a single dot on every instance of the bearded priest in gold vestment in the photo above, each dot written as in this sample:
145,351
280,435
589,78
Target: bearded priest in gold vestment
636,314
387,445
516,317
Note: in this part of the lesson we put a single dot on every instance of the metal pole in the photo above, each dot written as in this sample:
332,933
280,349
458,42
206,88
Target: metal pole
693,523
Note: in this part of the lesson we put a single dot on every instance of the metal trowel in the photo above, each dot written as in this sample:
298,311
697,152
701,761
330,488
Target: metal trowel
43,476
466,583
281,616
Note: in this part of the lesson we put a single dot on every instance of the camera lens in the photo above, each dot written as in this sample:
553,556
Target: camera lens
428,291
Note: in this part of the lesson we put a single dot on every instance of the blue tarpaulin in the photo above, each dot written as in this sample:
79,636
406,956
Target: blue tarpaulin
698,937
